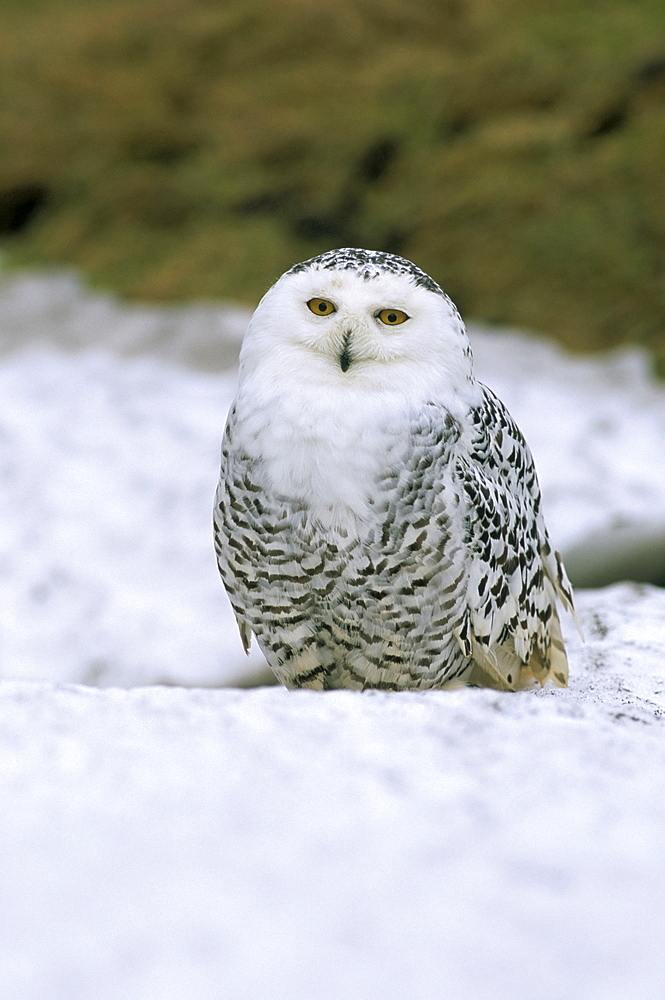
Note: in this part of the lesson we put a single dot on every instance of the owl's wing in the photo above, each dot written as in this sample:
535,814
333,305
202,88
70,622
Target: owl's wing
233,506
512,628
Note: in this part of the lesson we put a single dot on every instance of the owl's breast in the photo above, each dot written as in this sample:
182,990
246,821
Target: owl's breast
334,456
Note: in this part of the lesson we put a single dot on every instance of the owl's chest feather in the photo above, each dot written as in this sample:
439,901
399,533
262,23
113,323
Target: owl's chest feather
331,455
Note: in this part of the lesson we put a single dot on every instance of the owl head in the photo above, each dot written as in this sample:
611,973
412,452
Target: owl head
358,319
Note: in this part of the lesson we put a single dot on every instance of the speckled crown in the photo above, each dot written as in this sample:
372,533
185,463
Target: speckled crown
368,264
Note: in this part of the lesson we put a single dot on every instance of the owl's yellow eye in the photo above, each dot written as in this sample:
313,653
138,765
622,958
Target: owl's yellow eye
392,317
322,307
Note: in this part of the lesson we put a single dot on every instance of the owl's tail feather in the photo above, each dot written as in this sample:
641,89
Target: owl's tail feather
502,669
556,572
550,665
497,668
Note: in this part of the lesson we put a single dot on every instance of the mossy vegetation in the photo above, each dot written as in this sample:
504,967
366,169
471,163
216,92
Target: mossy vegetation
185,148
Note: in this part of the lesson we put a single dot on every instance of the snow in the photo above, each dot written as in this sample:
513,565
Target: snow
42,310
195,841
168,842
108,574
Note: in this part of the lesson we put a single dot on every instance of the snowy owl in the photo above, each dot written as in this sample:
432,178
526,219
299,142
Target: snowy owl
378,519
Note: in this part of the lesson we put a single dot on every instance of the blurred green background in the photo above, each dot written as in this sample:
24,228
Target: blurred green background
178,149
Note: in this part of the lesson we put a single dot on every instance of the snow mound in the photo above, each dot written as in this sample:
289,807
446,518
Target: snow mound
620,663
166,842
107,572
56,310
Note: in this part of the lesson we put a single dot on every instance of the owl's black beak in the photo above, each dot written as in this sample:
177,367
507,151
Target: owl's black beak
345,355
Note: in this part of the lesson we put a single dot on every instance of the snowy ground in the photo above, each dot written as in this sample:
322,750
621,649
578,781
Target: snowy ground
173,843
184,842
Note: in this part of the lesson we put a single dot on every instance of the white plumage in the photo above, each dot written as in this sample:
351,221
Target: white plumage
378,519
